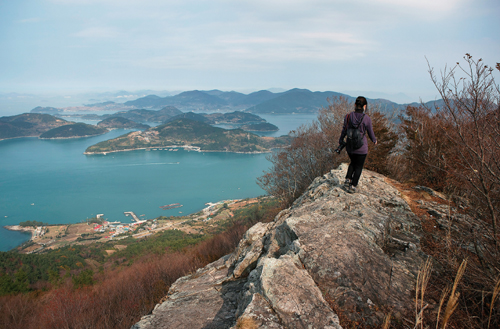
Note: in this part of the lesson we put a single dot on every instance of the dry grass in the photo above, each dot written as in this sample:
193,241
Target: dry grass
387,321
420,287
496,291
246,323
453,300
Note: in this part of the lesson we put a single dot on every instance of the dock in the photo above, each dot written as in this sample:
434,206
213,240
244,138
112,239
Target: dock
131,213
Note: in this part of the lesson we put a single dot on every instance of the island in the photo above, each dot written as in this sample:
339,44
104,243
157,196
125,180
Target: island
121,123
28,125
74,130
143,115
186,133
262,127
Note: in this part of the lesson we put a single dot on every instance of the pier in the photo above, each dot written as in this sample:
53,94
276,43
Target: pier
131,213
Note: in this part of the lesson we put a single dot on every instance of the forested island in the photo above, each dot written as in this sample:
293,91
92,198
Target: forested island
265,126
28,125
74,130
194,134
121,123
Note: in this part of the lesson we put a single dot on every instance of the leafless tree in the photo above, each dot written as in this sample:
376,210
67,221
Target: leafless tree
471,108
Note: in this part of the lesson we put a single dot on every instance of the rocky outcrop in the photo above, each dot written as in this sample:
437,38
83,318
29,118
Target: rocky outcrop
330,253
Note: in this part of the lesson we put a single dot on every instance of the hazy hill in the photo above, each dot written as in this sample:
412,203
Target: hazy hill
185,132
28,125
266,126
191,100
236,118
259,97
48,110
295,101
212,100
237,99
291,101
191,116
120,122
143,115
74,130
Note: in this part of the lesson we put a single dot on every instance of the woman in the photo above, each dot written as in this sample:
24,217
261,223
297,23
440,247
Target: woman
358,156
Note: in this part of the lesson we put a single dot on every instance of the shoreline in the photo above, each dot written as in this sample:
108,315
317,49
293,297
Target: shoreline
38,136
19,228
185,147
73,137
204,212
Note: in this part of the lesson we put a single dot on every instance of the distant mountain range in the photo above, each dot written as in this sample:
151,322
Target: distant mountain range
291,101
260,102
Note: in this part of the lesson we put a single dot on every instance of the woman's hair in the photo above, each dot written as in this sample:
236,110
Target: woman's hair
360,102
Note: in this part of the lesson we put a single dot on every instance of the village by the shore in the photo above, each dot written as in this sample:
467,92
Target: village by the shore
98,229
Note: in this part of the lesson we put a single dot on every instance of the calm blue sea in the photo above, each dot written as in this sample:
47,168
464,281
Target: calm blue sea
54,182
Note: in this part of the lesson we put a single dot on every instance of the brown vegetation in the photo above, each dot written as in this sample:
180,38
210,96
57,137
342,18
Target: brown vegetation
455,149
122,295
311,153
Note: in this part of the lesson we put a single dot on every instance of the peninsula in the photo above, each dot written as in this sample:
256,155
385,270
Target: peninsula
192,134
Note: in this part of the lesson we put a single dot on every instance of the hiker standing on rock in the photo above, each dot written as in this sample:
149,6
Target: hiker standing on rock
356,125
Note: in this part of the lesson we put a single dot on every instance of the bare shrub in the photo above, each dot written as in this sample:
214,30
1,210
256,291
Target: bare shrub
380,155
311,153
471,107
456,148
426,150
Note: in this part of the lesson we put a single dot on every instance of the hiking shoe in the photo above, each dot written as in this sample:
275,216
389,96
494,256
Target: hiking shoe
347,183
352,189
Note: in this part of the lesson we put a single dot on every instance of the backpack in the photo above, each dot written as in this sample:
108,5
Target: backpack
354,135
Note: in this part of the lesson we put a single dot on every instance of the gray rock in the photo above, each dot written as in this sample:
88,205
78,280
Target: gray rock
361,250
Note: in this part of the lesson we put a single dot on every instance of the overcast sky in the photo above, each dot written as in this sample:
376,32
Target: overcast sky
243,45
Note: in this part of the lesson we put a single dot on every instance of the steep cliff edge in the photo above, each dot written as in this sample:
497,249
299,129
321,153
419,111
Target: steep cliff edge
357,254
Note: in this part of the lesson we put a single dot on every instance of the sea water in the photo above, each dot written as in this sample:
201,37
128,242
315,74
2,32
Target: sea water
52,181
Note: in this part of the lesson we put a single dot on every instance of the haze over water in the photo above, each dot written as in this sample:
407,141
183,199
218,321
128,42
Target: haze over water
52,181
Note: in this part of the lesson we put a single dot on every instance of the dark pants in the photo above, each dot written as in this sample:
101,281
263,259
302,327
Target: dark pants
355,167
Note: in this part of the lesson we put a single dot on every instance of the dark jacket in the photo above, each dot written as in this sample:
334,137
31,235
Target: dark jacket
365,128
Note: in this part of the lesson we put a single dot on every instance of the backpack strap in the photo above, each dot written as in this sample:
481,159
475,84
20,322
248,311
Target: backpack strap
352,124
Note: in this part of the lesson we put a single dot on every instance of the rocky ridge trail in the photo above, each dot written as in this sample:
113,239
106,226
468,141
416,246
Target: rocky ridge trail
331,253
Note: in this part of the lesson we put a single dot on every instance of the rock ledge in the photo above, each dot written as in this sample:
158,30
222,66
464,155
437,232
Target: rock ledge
361,252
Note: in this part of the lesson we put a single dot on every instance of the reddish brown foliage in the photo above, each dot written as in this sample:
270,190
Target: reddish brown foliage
122,295
456,149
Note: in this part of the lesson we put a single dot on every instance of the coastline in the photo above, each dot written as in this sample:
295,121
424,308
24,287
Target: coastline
73,137
4,139
38,136
55,229
27,229
185,147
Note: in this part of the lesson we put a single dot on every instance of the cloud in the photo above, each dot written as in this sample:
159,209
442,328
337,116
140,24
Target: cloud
424,5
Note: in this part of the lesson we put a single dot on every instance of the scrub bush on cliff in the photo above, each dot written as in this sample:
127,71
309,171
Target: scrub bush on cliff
311,153
456,149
